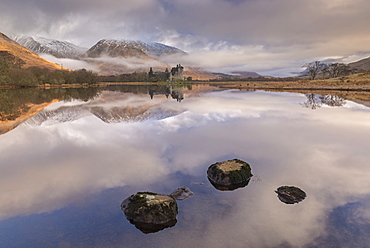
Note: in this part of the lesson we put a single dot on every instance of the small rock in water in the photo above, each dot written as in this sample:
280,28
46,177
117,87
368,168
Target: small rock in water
150,212
182,193
290,194
229,175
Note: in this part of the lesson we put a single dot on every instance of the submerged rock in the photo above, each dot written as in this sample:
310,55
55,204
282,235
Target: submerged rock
149,211
182,193
153,228
290,194
229,175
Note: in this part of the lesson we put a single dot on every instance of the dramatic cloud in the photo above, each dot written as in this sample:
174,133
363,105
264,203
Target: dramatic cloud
285,32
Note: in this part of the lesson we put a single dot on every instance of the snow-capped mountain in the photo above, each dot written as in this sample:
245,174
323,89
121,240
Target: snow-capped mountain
59,49
131,48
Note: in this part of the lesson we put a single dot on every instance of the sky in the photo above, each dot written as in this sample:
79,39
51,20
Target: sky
273,37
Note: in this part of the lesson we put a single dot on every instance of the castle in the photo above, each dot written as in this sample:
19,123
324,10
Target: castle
175,73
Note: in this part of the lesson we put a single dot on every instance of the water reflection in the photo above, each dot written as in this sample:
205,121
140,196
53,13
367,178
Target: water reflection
153,228
75,173
230,187
176,93
18,105
316,101
15,102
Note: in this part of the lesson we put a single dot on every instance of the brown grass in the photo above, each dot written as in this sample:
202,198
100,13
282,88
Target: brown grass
31,59
356,87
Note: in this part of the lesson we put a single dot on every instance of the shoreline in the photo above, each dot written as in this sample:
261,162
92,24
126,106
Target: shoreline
350,89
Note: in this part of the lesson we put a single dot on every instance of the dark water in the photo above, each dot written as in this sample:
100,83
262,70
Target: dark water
66,170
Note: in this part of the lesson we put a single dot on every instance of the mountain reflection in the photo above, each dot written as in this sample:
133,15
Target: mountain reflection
15,102
316,101
18,105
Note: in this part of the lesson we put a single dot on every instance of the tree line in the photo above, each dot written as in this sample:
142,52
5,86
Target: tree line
12,73
332,70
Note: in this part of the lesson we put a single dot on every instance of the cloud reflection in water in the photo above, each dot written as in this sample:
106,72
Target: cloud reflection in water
323,151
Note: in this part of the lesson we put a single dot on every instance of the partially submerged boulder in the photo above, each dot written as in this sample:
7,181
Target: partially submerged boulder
182,193
153,228
290,194
150,212
229,175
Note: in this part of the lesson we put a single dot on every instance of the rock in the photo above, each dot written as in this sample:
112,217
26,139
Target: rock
150,208
182,193
152,228
290,194
229,175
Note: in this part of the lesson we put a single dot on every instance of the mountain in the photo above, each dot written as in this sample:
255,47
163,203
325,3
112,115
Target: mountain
10,49
59,49
362,65
246,74
131,48
128,56
198,73
113,57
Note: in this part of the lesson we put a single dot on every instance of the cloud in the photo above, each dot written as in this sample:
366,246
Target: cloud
130,64
72,64
303,29
227,58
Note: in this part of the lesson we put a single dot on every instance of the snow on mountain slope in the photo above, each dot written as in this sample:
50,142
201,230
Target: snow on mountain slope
131,48
59,49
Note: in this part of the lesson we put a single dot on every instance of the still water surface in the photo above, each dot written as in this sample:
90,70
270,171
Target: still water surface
66,170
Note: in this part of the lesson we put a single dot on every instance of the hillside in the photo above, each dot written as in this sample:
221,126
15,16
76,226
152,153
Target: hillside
57,48
109,56
246,74
198,74
362,65
137,56
10,48
114,49
131,48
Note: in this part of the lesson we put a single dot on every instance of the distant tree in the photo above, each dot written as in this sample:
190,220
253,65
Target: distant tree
83,76
314,68
337,70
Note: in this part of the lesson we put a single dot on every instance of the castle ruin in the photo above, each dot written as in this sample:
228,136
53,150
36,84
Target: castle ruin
176,73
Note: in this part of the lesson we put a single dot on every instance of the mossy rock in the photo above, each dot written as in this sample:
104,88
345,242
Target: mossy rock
150,208
290,194
229,175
